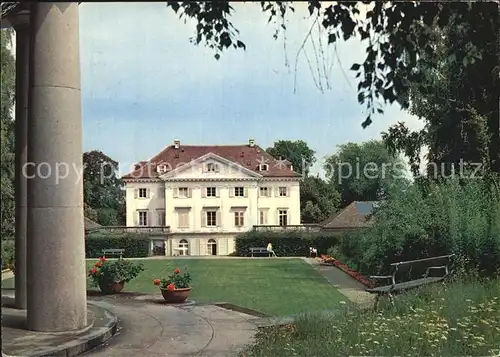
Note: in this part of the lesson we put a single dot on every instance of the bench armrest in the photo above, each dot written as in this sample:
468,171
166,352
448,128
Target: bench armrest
445,267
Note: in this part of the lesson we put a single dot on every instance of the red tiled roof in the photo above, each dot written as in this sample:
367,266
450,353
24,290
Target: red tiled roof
245,155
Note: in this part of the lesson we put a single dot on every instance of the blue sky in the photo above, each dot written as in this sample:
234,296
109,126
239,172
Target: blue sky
144,84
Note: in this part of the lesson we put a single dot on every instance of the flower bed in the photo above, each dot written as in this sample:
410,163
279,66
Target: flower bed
354,274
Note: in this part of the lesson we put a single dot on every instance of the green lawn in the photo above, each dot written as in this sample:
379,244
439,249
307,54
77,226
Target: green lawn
272,286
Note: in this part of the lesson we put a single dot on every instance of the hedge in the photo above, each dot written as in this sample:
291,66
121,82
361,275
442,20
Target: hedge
286,243
8,254
135,245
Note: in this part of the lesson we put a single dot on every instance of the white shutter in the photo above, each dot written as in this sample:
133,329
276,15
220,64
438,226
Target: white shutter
277,217
136,218
161,192
190,192
175,192
218,219
217,191
231,191
136,192
245,191
148,218
148,193
203,191
288,191
203,220
277,191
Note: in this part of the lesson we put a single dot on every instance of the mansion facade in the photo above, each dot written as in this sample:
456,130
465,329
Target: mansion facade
194,200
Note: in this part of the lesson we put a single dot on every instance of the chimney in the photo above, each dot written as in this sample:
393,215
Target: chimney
177,143
251,143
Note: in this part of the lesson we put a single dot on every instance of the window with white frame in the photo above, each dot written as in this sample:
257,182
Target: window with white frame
239,191
211,218
143,218
282,191
239,218
263,216
263,191
283,217
183,192
160,219
143,193
211,191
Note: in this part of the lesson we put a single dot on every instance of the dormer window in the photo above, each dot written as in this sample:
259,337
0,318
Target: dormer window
161,169
263,167
212,167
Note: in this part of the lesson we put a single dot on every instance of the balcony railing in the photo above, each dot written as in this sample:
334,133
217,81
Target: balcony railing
298,227
135,229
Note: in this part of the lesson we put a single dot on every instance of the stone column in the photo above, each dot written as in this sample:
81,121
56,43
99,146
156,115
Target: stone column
22,83
57,298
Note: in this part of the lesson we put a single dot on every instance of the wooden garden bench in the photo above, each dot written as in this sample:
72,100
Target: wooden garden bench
441,265
113,252
258,250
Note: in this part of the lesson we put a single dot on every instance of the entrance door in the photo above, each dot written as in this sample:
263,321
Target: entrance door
212,247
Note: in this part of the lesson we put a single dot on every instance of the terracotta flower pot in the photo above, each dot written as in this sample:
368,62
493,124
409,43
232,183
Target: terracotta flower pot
113,288
175,296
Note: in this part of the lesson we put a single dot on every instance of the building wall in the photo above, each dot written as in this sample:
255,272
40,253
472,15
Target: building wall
163,196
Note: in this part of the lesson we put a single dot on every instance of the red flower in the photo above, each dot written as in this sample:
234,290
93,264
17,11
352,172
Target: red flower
93,270
98,264
176,271
171,287
156,281
102,259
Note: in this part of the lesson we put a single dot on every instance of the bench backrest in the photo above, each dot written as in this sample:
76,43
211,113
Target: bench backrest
113,251
258,249
416,268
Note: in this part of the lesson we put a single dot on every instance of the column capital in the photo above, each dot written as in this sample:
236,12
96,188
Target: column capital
20,21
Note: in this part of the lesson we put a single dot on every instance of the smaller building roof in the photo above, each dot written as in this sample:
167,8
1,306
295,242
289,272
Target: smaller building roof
90,224
358,214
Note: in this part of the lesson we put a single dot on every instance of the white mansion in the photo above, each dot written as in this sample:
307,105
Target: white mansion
198,198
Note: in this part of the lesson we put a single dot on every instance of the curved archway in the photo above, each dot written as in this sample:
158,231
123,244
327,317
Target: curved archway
212,247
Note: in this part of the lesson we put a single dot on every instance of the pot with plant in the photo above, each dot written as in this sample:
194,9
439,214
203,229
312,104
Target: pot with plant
175,288
111,275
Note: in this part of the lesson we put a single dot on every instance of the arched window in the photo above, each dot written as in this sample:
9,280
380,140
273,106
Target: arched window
212,247
183,247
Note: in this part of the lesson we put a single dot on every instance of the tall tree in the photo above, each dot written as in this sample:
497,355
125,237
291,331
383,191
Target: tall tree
318,200
7,94
102,189
297,152
456,97
363,172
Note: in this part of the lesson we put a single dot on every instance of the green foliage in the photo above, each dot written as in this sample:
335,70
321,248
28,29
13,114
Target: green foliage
395,34
8,254
135,245
363,172
292,243
297,152
107,272
7,93
458,319
449,217
103,193
455,95
176,280
318,200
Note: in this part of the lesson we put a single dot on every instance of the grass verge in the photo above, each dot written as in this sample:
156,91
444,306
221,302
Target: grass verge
457,319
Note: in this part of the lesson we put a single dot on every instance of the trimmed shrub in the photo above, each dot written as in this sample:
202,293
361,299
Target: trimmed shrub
135,245
294,243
